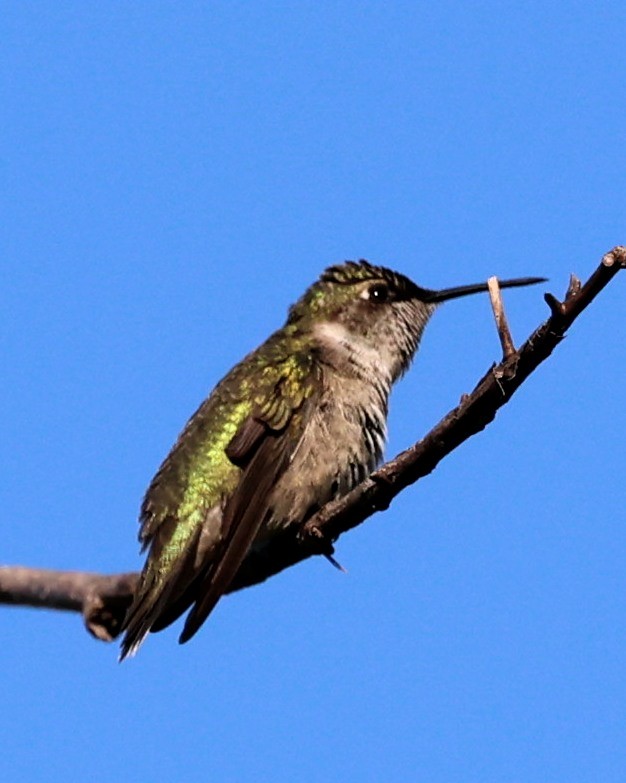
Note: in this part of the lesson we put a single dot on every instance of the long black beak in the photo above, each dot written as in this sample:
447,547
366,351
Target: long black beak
429,296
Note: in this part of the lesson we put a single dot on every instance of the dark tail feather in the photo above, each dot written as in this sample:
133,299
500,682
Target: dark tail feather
156,599
137,626
177,607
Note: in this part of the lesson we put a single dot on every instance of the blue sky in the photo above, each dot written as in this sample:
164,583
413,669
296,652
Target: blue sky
173,176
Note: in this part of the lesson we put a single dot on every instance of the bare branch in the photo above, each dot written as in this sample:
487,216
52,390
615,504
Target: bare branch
103,599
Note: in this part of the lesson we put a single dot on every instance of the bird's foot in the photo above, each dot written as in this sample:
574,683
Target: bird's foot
320,544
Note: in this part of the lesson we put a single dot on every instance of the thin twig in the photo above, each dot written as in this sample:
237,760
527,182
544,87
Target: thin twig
504,333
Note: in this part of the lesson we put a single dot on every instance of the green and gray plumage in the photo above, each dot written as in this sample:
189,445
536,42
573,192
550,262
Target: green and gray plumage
300,421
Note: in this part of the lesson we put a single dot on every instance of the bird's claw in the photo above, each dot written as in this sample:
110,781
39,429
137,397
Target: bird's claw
321,544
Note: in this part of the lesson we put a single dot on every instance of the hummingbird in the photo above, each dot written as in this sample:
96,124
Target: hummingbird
298,422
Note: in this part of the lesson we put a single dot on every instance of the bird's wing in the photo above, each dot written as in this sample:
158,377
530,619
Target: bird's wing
262,447
267,404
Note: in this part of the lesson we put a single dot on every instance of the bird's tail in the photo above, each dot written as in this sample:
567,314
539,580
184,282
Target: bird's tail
163,593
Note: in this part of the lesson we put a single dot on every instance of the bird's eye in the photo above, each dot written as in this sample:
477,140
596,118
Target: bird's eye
378,293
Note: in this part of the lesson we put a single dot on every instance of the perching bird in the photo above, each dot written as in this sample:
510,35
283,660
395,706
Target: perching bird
300,421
